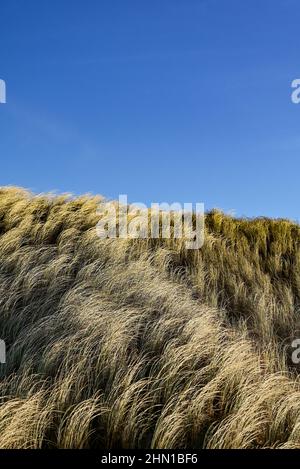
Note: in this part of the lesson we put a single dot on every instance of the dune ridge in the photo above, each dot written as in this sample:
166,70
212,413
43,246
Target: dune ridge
142,343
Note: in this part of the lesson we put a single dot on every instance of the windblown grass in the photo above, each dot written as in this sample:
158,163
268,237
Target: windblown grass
140,343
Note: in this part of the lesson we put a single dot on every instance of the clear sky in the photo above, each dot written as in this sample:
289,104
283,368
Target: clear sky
163,100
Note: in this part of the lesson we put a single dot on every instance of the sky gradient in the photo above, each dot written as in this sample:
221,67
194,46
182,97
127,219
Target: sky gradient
163,100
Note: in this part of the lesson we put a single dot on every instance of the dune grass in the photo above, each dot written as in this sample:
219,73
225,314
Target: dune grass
141,343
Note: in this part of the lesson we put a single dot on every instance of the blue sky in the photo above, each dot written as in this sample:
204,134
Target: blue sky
163,100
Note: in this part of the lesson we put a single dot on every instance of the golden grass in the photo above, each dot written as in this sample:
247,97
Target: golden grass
141,343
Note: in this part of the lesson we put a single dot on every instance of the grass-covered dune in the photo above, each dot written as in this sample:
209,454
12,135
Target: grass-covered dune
141,343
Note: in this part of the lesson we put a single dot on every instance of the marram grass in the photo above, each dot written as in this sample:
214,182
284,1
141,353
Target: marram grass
141,343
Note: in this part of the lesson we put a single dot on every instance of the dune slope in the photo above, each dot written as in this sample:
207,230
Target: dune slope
141,343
